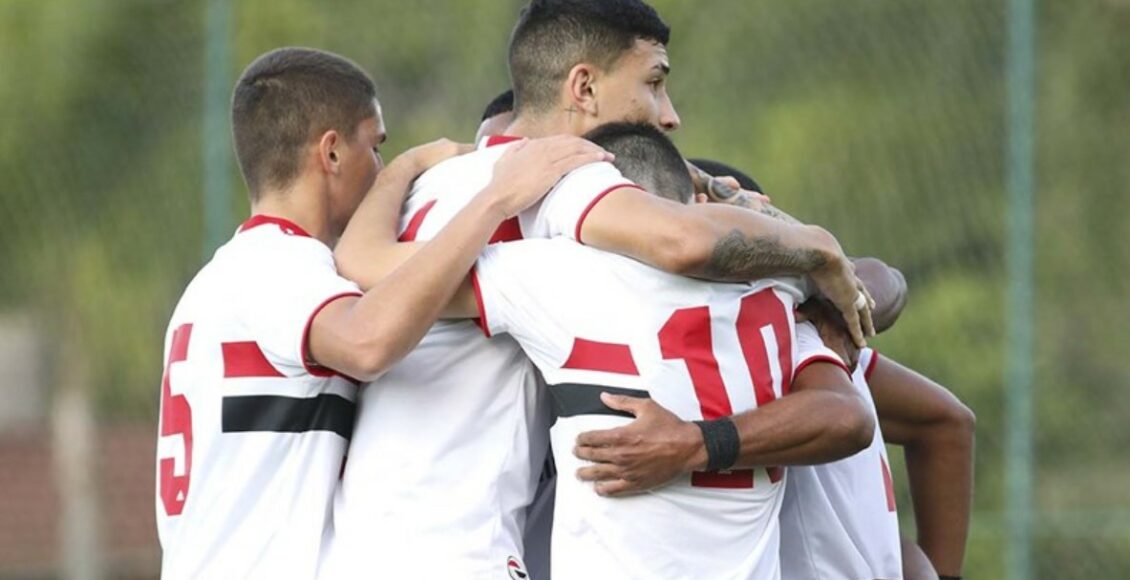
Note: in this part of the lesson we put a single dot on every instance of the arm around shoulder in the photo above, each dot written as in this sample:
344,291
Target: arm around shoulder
705,241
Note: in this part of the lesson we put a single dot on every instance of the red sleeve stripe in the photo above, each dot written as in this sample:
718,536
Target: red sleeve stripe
596,200
509,231
413,228
246,359
871,365
481,321
307,361
590,355
820,358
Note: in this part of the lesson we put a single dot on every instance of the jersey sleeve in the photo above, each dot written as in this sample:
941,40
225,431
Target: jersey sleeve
563,210
286,305
811,349
511,282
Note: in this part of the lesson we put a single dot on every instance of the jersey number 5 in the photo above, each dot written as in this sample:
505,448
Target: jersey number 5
176,427
765,334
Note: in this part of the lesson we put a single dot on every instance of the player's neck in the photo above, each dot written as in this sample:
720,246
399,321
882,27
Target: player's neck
309,212
535,125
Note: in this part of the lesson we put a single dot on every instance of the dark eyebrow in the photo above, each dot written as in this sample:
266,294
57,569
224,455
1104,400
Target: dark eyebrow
663,67
382,138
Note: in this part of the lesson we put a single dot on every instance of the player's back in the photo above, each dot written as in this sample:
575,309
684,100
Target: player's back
450,441
838,520
251,438
701,350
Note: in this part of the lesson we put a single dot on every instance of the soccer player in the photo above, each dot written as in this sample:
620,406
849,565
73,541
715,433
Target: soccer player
596,322
452,437
266,344
935,430
497,116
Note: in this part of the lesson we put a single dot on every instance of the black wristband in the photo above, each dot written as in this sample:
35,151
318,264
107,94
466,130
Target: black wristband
722,443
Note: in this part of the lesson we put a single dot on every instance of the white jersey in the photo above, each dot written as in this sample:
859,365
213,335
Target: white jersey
252,437
592,321
839,520
449,443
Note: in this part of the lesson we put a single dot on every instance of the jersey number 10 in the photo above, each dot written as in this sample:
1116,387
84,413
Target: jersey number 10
687,336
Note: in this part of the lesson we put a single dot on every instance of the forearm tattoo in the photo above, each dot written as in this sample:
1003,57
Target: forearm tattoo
778,214
741,258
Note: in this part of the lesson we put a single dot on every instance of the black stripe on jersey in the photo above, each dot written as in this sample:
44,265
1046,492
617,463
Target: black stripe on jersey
288,414
570,399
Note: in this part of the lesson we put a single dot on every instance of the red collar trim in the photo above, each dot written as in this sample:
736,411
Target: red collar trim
288,227
500,140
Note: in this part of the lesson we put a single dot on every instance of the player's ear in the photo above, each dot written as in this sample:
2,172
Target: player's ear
581,88
329,152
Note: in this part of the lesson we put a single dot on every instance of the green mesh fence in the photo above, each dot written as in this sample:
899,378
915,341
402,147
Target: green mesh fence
884,121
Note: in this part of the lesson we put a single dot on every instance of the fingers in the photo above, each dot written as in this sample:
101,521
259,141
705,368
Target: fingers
866,321
597,454
731,181
617,488
599,472
851,318
601,438
579,159
624,403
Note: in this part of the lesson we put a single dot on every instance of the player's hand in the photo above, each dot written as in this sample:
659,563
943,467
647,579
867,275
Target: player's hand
424,157
838,283
529,168
725,189
648,452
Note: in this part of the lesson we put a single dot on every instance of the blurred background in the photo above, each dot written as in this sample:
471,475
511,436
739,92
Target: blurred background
981,146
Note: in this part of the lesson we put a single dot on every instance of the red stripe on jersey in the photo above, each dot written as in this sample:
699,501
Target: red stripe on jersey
288,227
246,359
481,321
609,357
821,358
509,231
307,361
414,224
592,204
870,365
888,484
501,139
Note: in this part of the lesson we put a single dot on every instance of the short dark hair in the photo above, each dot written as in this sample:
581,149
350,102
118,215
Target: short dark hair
503,103
287,97
553,36
646,156
719,169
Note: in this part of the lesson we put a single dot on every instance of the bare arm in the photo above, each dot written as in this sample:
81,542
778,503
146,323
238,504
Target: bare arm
368,249
886,285
822,420
720,242
936,432
362,337
915,564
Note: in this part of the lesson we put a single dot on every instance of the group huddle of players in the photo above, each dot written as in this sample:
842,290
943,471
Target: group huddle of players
565,352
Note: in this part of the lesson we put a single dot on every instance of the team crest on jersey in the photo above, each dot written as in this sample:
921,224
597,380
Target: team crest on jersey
516,568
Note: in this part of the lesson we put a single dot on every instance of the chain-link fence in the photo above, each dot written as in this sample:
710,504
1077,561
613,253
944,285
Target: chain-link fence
885,121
